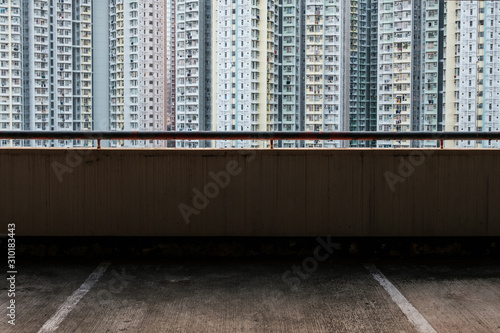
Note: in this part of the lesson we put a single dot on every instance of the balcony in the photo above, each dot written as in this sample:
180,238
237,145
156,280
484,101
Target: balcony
340,203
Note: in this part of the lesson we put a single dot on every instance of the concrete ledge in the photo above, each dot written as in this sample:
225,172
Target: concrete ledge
171,192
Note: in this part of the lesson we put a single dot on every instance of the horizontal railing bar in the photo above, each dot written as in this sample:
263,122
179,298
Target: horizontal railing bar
112,135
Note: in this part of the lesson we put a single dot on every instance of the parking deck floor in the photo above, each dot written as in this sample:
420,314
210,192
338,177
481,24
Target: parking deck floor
255,295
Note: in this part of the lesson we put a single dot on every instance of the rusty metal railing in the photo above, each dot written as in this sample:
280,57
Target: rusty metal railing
269,136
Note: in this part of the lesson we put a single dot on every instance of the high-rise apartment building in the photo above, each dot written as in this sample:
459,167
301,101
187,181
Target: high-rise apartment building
373,56
12,113
46,62
363,68
246,68
429,117
491,71
293,68
268,66
272,65
395,76
137,68
326,68
71,74
473,69
170,65
410,66
228,68
193,33
48,50
438,68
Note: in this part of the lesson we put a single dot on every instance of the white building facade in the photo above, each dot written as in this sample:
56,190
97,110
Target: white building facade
193,83
326,68
473,92
245,68
12,116
137,68
47,61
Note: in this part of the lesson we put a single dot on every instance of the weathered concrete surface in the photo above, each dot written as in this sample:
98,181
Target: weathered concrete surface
40,289
454,298
354,192
251,296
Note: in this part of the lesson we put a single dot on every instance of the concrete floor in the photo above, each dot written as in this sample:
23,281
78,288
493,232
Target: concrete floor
250,295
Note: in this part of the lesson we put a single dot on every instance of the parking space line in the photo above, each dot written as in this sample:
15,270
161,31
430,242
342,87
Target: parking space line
53,323
413,315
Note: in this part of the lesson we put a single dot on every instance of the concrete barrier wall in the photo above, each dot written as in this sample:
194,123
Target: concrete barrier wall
354,192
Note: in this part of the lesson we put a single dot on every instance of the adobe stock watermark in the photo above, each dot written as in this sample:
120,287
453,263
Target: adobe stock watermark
11,273
407,166
106,298
73,159
293,277
218,181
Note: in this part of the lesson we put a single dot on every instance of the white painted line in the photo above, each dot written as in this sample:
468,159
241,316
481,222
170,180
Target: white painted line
413,315
53,323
